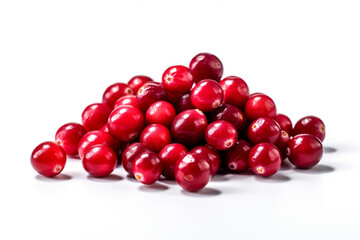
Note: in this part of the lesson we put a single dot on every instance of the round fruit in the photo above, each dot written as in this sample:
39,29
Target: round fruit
149,93
147,168
259,105
161,112
68,137
99,160
114,92
156,136
97,137
236,91
236,158
264,129
206,66
284,122
95,116
311,125
177,79
230,114
207,95
169,155
138,81
264,159
130,153
221,135
211,155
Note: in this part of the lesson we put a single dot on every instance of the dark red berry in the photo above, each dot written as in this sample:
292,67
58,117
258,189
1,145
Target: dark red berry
236,158
97,137
207,95
206,66
149,93
221,135
114,92
48,159
284,122
283,143
130,153
211,155
264,159
169,155
147,168
127,100
236,91
259,105
161,112
95,116
184,103
193,172
137,81
99,160
230,114
177,79
264,129
68,137
304,150
156,136
311,125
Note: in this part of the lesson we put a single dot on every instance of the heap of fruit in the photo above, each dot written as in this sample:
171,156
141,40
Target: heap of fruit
185,128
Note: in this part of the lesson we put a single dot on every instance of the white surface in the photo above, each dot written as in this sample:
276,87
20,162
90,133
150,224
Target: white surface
56,58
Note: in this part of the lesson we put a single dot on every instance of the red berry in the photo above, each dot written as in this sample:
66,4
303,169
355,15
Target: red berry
130,153
305,150
149,93
125,123
184,103
283,143
68,137
127,100
207,95
211,155
284,122
236,91
206,66
99,160
161,112
114,92
137,81
193,172
156,136
230,114
95,116
264,159
259,105
48,159
188,127
311,125
96,137
147,168
236,158
221,135
169,155
264,129
177,79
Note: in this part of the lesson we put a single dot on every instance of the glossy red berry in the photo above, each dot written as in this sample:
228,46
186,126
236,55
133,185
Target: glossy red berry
149,93
193,172
264,129
236,91
264,159
282,144
221,135
206,66
68,137
160,112
97,137
147,168
125,123
305,150
114,92
236,158
95,116
177,79
130,153
211,155
207,95
127,100
156,136
48,159
230,114
99,160
188,127
259,105
184,103
284,122
311,125
169,155
137,82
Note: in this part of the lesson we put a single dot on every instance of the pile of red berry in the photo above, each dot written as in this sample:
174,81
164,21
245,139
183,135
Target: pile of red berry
184,128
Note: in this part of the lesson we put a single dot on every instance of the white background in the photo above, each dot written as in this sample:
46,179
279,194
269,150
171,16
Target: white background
58,57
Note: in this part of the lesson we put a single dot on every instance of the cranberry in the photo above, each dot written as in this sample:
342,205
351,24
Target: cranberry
137,81
207,95
236,91
68,137
127,100
283,143
193,172
161,112
169,155
114,92
259,105
211,155
130,153
156,136
125,123
96,137
236,158
173,98
147,168
264,129
264,159
95,116
48,159
230,114
284,122
99,160
221,135
177,79
305,150
149,93
184,103
311,125
206,66
188,127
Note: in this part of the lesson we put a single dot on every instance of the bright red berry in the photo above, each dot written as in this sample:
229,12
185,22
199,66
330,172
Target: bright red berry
127,100
160,112
177,79
284,122
97,137
259,105
137,82
156,136
264,159
207,95
114,92
147,168
230,114
264,129
206,66
236,91
221,135
236,158
169,155
149,93
95,116
99,160
130,153
68,137
311,125
211,155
